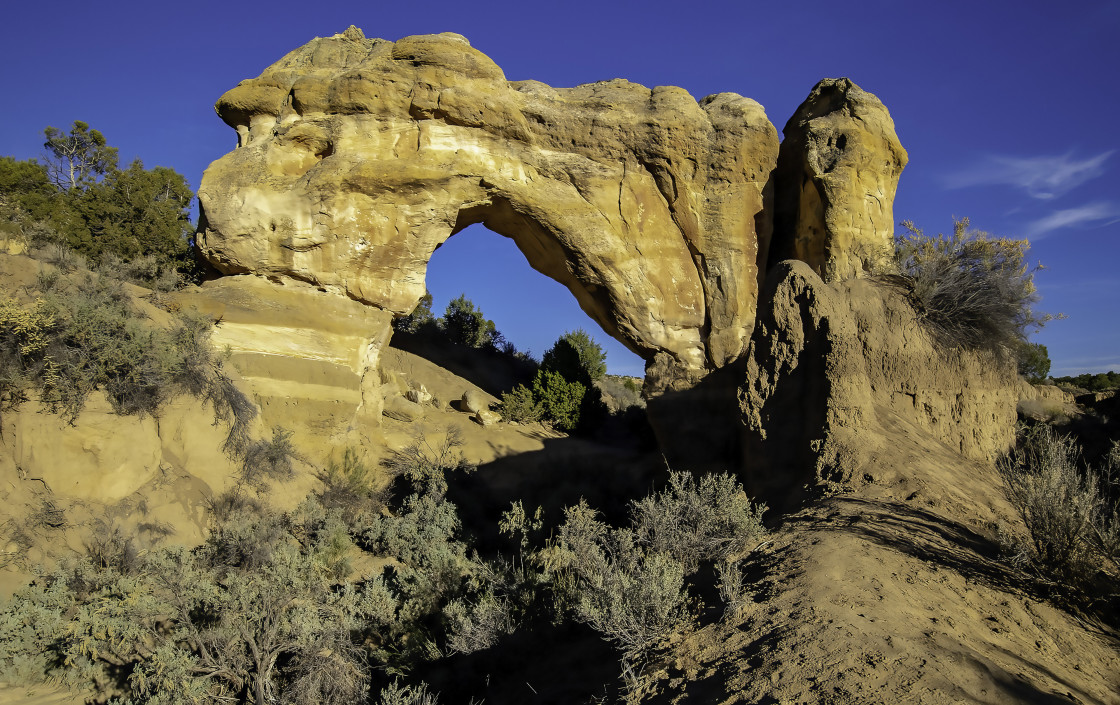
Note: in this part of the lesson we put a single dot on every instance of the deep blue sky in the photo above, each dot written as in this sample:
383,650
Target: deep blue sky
1008,110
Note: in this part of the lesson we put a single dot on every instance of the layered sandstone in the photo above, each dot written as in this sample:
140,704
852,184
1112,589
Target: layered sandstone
358,157
294,344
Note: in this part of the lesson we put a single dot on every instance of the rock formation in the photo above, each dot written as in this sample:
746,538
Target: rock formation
293,341
837,172
358,157
840,376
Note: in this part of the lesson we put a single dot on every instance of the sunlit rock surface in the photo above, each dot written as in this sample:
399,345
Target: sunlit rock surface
358,157
837,173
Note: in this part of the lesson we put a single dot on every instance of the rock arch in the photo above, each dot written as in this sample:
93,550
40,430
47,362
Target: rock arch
358,157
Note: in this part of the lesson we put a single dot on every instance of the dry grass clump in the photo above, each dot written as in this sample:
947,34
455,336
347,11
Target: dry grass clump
396,694
425,462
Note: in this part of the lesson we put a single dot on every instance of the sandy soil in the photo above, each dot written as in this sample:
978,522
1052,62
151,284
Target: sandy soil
894,592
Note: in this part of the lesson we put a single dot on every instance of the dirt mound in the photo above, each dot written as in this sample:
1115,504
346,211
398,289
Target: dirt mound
152,477
833,370
888,585
880,596
885,584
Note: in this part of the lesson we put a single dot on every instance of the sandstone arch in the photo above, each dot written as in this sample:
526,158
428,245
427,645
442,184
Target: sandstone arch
358,157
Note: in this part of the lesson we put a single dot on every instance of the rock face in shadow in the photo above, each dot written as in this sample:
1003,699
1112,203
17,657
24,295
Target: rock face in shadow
358,157
838,374
837,173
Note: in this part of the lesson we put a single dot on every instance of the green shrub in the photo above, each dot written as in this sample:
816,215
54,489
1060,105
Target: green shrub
1034,362
26,192
1092,382
560,400
971,290
349,486
577,358
463,324
520,406
80,199
25,333
563,391
420,320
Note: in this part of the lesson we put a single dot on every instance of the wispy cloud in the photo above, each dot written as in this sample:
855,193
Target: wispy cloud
1101,213
1041,177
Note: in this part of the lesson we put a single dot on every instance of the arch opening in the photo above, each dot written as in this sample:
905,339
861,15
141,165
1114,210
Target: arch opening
531,308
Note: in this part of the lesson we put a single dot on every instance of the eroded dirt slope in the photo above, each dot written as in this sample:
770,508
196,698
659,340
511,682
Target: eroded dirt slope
895,592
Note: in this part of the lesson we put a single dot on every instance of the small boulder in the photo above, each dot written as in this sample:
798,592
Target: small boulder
402,409
473,401
485,417
419,396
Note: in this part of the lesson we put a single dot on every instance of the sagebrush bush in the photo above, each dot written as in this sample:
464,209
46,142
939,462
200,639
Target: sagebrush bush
268,460
1072,524
24,335
635,598
709,520
255,614
971,290
620,393
479,624
86,334
629,583
396,694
